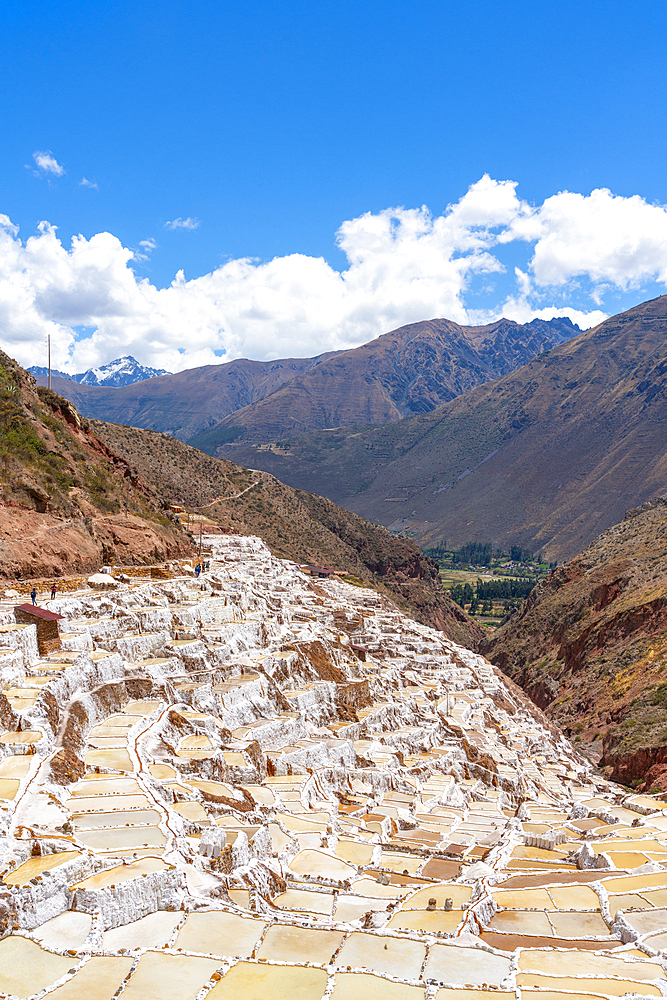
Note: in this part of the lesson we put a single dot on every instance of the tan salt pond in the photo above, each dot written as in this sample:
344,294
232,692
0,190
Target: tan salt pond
99,977
17,739
400,957
67,930
122,873
169,977
285,943
610,987
353,851
25,968
162,772
533,922
9,787
37,866
143,706
370,887
458,894
263,796
578,925
306,900
79,804
116,818
220,933
269,982
355,985
233,758
153,931
214,788
106,784
325,865
463,966
428,921
15,766
117,760
124,837
191,810
398,862
583,963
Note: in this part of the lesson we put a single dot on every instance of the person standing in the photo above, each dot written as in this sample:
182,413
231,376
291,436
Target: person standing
33,594
54,588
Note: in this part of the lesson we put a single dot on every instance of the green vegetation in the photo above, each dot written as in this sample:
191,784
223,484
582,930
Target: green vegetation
503,591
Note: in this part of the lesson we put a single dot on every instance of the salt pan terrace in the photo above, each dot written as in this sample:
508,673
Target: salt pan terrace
256,786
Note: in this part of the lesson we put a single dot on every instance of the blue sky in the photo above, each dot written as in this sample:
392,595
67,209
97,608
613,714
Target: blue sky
268,126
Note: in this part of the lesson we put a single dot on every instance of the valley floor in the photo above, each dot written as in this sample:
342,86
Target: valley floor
250,785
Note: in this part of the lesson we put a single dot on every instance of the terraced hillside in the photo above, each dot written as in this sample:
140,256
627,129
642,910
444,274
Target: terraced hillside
208,795
590,647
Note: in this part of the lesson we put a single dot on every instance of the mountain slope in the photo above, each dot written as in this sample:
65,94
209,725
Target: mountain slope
410,370
67,503
590,646
546,457
294,524
187,402
75,495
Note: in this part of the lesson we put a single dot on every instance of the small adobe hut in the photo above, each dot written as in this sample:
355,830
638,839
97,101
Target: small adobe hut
48,636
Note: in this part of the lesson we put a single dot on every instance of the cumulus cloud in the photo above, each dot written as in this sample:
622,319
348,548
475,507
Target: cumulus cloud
403,265
84,182
182,224
47,163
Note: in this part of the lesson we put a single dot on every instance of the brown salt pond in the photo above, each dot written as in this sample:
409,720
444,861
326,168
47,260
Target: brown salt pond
37,866
25,968
270,982
219,933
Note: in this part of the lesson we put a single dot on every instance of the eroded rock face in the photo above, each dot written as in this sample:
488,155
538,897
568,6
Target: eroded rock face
211,781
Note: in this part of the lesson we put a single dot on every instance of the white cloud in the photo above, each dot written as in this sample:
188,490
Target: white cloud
147,247
84,182
182,224
47,163
403,265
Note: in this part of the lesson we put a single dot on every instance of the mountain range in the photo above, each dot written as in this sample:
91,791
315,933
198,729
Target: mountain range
410,370
547,456
123,371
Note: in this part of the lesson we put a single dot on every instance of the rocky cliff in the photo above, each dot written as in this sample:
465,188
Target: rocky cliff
590,647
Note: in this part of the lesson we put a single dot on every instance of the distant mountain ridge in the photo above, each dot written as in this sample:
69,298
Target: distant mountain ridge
410,370
120,372
546,457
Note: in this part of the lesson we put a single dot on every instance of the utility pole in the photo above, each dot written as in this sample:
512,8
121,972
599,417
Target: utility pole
49,383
